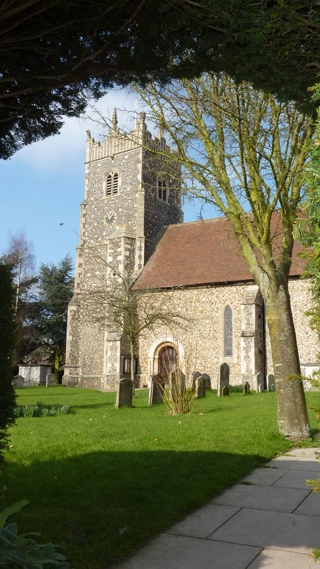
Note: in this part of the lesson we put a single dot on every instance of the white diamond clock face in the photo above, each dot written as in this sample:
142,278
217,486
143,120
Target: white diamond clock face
110,218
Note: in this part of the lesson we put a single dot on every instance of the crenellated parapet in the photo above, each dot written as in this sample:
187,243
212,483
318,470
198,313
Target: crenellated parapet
117,142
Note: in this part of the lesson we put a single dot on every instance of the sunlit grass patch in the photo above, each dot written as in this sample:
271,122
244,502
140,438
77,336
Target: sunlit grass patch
101,481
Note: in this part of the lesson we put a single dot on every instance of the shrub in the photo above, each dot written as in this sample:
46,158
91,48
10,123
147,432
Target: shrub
41,410
22,550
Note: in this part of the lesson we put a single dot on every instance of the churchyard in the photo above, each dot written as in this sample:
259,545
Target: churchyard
101,481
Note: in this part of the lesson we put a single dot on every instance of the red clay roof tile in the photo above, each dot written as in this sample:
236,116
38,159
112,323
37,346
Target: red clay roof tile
202,252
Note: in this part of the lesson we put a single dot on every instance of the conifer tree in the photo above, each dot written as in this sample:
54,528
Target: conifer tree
7,340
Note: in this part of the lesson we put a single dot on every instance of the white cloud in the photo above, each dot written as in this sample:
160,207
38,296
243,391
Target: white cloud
67,149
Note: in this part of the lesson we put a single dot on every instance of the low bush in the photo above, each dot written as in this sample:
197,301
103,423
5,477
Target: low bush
22,550
42,410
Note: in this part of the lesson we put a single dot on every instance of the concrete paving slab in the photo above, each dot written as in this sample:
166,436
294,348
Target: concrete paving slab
276,559
276,530
264,476
262,497
310,506
295,479
204,521
298,459
178,552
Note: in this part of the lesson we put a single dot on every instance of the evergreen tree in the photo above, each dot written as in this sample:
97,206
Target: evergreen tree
50,311
7,340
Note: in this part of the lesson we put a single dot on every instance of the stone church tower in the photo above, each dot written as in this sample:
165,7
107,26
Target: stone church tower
129,197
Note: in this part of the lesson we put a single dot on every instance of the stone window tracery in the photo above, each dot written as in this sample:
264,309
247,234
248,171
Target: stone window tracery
228,338
112,184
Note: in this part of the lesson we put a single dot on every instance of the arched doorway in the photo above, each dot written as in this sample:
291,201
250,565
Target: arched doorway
167,361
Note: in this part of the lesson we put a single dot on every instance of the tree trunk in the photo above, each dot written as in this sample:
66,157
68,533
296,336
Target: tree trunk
292,411
132,366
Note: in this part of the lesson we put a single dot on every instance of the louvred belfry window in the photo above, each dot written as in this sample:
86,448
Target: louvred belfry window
112,183
162,190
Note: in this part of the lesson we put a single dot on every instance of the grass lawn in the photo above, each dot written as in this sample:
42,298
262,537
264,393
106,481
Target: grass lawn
102,481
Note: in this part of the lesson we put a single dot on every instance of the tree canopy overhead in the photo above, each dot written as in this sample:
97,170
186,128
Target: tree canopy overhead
54,54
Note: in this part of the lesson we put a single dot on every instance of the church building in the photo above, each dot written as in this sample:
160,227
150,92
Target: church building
132,224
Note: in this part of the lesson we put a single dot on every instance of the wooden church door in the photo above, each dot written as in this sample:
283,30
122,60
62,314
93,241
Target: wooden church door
167,361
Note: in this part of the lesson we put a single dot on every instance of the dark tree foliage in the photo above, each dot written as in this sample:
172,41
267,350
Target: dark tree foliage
50,311
7,340
55,54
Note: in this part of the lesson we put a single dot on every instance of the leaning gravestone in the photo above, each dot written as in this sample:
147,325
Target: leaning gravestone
259,382
51,380
223,380
156,390
124,393
200,387
246,388
271,382
18,382
177,384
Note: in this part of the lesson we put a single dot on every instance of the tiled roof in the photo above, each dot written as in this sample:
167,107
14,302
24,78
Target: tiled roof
203,252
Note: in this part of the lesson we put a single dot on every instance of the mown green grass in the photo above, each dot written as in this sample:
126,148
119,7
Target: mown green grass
102,481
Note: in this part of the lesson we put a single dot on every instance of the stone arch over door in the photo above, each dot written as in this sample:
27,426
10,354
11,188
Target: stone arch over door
162,349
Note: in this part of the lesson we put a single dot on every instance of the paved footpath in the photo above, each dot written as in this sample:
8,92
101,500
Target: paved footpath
269,521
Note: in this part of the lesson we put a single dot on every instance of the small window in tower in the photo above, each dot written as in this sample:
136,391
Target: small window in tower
228,334
112,184
162,190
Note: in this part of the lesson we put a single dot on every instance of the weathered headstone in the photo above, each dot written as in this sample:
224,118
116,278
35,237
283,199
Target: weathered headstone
223,380
207,379
51,380
225,391
156,389
195,376
124,393
259,382
246,388
18,382
200,387
177,384
271,382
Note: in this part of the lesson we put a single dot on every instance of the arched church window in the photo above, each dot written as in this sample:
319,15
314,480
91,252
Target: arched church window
112,183
228,340
163,192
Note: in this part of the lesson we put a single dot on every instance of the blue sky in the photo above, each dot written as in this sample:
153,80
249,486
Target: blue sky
42,186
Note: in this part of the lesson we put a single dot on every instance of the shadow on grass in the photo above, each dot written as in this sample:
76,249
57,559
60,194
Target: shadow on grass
102,505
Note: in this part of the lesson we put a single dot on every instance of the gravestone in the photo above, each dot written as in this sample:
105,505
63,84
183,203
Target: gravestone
156,389
225,391
246,388
271,382
51,380
223,380
124,393
259,382
195,376
200,387
18,382
177,384
207,379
